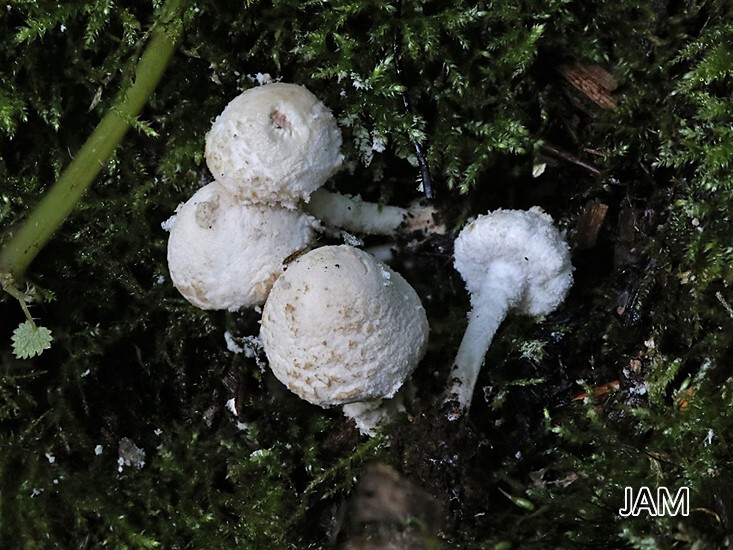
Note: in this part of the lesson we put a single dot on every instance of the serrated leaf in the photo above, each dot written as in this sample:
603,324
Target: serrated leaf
29,340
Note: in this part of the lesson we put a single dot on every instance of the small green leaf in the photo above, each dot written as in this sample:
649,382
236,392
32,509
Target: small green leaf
519,501
29,340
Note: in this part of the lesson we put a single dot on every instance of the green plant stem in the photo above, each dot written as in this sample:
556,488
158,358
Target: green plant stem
7,284
60,200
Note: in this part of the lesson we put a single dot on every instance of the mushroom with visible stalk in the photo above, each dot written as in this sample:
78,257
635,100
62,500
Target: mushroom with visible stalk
341,328
277,143
510,260
224,254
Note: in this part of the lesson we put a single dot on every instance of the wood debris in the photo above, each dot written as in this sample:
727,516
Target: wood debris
593,82
589,224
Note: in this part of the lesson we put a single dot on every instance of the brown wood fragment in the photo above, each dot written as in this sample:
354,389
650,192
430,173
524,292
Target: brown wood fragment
593,81
589,224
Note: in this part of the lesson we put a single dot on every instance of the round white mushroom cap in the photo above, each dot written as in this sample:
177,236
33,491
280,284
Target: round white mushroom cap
340,327
223,254
529,245
274,143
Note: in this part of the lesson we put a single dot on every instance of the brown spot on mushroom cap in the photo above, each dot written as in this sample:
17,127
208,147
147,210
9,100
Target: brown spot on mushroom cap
206,212
280,120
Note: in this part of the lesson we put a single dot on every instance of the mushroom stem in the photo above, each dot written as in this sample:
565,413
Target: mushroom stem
354,214
501,291
357,215
371,415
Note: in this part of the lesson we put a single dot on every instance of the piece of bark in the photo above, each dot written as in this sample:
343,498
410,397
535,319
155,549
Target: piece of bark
589,224
593,82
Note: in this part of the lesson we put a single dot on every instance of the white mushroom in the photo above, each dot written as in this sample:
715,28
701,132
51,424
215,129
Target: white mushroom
339,327
275,143
278,143
223,254
509,260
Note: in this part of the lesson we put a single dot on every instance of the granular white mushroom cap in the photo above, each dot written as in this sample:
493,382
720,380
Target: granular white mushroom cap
274,143
223,254
528,243
340,327
510,260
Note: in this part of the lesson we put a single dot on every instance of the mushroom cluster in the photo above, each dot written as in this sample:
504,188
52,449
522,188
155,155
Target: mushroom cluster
270,152
270,146
338,327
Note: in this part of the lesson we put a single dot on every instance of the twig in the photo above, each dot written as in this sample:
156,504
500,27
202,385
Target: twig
570,158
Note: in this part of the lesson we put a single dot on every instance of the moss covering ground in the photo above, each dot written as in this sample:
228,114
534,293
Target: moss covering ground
134,366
